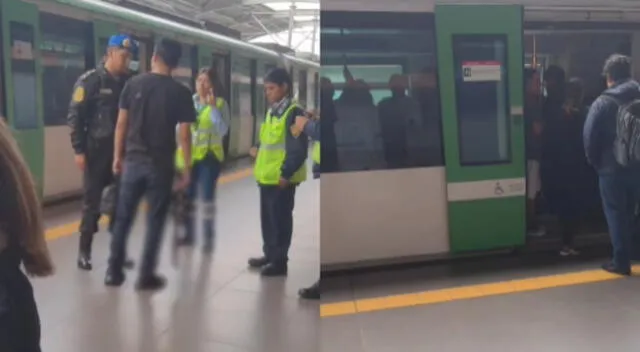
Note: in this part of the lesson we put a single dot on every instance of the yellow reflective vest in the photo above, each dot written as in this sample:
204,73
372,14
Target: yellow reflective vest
315,153
205,138
272,152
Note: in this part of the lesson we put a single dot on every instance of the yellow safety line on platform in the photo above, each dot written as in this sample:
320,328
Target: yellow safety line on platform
466,292
70,229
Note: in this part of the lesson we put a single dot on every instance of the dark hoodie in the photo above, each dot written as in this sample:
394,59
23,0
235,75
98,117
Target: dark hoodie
600,127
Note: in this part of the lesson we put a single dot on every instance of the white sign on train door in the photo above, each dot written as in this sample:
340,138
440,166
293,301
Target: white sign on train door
481,71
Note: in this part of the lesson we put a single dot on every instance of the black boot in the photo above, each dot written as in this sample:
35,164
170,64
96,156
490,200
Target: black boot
274,269
312,292
84,253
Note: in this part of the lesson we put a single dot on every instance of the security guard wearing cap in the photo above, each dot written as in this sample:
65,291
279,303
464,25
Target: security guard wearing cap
92,117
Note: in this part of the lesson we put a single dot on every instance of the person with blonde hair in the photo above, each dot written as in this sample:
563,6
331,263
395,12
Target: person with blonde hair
22,242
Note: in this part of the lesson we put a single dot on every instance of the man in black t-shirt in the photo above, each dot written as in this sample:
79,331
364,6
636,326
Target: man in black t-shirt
151,106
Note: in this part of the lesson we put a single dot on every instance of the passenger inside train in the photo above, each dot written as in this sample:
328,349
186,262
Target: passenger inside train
561,82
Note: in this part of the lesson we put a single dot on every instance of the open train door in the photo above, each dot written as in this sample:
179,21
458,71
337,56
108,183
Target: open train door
480,67
21,67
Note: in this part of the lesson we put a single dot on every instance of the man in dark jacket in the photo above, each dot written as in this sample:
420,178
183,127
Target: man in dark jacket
619,187
93,112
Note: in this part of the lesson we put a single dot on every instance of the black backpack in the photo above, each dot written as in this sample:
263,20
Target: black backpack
626,147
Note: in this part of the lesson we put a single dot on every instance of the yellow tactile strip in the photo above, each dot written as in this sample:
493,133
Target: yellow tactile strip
71,228
466,292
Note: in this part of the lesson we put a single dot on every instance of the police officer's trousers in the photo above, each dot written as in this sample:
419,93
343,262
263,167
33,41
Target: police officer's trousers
98,175
276,215
204,180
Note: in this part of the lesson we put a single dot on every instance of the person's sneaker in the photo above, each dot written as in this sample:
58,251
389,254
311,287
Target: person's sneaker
568,251
258,263
151,283
611,268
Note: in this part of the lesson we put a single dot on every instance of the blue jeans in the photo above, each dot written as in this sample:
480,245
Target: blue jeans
137,180
204,179
620,192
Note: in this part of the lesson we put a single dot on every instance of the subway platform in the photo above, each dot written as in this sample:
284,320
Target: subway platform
537,304
211,304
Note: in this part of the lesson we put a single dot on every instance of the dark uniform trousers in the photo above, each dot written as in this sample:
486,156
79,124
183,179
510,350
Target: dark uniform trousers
19,320
138,179
97,176
276,214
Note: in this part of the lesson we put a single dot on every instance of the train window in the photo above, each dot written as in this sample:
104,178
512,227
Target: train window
23,70
63,47
482,101
184,72
241,105
302,88
379,102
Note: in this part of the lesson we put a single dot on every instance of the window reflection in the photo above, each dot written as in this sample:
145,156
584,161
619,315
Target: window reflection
63,49
379,98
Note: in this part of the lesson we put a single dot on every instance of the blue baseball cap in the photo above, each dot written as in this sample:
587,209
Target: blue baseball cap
123,41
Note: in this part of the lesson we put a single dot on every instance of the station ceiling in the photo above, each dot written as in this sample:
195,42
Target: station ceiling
250,18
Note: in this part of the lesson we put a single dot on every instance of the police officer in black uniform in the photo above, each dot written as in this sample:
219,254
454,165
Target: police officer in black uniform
92,117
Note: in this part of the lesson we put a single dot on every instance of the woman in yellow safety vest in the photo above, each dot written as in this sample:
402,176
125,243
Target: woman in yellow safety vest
207,152
280,167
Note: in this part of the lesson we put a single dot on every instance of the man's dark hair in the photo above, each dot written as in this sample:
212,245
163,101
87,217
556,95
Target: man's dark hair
169,51
617,67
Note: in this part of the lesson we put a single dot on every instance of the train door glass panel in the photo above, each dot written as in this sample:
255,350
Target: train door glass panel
255,102
103,43
64,48
302,88
184,72
481,99
222,65
480,69
242,117
23,54
261,100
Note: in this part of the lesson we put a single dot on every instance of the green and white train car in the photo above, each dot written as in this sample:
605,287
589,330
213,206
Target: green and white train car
446,173
47,44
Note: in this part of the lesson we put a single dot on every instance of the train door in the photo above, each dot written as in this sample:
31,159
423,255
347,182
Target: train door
222,63
480,66
102,31
22,72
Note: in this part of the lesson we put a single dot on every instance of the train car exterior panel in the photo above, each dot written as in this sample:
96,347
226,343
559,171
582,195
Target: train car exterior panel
21,39
372,216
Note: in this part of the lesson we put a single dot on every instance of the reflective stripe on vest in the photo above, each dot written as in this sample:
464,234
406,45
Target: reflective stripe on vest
315,154
272,151
205,138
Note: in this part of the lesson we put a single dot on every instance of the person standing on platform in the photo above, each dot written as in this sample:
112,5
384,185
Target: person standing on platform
151,106
22,242
610,140
312,129
280,167
207,152
92,118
